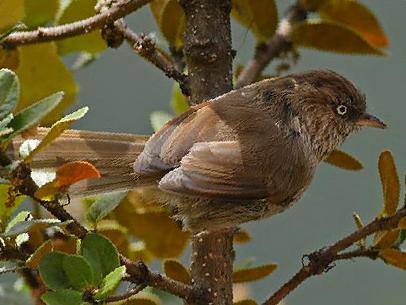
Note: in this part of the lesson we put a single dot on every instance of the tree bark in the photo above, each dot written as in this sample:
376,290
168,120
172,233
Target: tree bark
208,56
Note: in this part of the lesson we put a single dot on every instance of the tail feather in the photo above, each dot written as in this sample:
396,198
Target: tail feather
111,153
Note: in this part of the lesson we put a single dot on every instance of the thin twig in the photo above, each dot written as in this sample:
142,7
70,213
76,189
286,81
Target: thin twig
126,295
321,260
80,27
145,47
273,48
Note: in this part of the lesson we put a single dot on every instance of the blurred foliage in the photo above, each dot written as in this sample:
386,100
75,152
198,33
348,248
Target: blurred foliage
134,224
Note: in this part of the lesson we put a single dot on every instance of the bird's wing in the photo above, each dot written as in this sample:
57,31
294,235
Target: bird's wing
214,169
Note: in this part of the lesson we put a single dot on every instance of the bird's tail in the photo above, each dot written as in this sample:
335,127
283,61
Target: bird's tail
111,153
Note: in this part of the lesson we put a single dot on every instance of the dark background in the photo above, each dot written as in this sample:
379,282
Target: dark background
122,90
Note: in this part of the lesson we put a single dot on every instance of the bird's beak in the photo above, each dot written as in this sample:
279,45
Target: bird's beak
371,121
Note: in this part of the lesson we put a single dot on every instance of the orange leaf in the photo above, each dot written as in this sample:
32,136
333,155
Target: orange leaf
72,172
333,37
357,17
390,182
402,223
394,257
343,160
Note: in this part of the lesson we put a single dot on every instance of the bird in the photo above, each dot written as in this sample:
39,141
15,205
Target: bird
243,156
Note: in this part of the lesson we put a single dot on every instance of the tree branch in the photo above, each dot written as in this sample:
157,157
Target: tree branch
126,295
320,260
208,56
145,47
138,271
84,26
273,48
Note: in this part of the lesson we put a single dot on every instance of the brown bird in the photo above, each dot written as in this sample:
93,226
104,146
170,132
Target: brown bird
245,155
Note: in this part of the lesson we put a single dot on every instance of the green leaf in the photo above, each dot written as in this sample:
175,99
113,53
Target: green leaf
78,271
103,205
9,92
62,297
253,274
32,115
101,254
22,216
260,16
178,102
110,283
56,130
333,37
11,11
357,17
39,12
170,18
52,272
159,119
77,10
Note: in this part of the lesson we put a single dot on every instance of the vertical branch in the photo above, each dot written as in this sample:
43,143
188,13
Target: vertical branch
207,48
208,57
212,265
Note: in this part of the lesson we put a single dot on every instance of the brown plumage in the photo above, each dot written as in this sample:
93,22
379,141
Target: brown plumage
245,155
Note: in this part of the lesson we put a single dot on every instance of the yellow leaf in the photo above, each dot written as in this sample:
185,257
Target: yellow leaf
385,239
261,16
41,73
34,259
389,181
9,58
75,171
343,160
92,42
253,274
402,223
394,257
242,236
116,233
357,17
163,237
48,190
334,37
56,130
311,5
170,18
176,271
11,11
67,245
246,302
137,251
39,12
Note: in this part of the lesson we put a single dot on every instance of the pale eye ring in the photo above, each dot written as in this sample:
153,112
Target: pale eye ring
341,109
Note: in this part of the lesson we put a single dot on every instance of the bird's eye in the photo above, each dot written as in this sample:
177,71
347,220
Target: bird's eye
341,109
